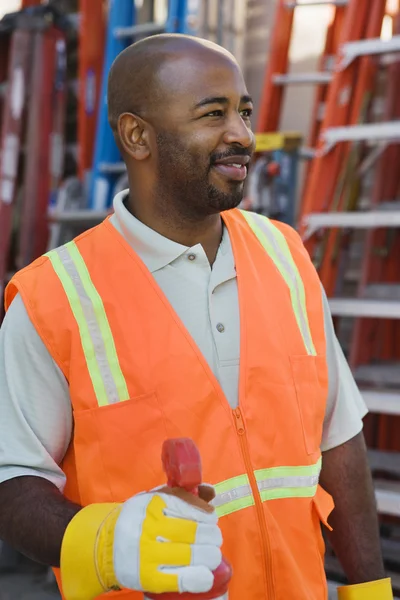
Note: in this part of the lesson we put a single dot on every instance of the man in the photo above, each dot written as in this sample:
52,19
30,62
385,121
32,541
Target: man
180,316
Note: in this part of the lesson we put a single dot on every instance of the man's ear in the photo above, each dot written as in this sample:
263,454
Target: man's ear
134,136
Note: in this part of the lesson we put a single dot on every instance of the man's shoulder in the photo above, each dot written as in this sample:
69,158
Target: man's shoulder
39,273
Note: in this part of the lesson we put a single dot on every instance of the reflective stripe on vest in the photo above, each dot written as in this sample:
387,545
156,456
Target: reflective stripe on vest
96,337
274,243
274,483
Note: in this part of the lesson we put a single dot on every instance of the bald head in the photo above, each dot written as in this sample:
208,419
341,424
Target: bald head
135,82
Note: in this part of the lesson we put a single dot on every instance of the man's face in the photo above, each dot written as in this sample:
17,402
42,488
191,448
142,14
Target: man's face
204,138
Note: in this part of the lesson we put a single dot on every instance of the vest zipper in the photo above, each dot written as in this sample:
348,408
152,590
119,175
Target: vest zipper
266,546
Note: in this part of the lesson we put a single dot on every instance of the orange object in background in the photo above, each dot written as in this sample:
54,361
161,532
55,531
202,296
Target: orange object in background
92,18
28,3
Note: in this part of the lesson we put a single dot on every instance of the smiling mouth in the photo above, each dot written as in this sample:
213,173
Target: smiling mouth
234,171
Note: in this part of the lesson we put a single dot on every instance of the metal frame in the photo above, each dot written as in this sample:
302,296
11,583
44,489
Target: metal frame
302,78
364,307
354,220
387,495
371,132
368,47
121,33
382,401
78,216
317,3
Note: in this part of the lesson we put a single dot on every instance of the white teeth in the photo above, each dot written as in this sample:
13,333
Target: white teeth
236,165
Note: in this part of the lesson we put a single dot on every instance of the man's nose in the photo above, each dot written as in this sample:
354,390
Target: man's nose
238,132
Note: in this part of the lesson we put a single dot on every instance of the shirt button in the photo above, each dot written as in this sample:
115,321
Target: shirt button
220,328
191,256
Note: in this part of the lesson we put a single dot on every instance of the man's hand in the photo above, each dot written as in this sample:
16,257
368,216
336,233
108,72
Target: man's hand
163,541
355,537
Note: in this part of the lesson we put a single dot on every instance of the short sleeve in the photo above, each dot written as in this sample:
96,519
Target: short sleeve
35,406
345,406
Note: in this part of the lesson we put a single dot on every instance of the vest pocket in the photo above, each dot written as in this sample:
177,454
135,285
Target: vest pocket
324,505
311,384
119,445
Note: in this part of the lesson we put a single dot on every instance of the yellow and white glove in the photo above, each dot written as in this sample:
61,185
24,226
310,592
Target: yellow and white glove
161,541
380,589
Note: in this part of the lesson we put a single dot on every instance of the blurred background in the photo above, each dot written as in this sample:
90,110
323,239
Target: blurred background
325,79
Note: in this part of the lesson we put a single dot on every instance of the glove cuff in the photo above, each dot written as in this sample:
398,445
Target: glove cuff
372,590
87,552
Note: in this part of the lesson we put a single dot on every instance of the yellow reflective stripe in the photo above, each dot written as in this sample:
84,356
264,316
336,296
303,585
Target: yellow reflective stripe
301,471
231,484
86,340
290,492
274,483
102,321
274,243
97,341
301,297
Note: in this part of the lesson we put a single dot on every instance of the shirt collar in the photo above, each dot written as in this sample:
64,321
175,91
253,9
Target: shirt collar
155,250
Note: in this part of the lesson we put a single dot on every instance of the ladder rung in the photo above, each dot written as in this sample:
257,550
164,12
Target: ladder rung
382,291
382,401
307,153
380,460
112,168
144,29
77,216
391,546
372,132
382,375
302,78
352,219
317,3
368,47
387,495
360,307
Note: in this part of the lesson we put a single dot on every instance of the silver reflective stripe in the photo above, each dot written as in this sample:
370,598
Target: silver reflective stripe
92,324
288,482
238,493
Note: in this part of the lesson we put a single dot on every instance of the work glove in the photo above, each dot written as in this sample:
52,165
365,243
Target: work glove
166,540
380,589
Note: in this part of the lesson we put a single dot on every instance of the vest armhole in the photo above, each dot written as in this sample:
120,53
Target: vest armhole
16,287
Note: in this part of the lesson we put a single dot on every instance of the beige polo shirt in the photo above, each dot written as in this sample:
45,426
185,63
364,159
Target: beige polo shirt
35,406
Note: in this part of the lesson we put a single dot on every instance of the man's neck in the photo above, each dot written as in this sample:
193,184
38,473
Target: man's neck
207,232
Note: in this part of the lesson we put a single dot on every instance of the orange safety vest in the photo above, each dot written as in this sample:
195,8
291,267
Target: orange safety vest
136,377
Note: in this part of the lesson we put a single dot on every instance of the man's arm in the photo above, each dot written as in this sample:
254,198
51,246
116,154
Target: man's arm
33,517
355,537
35,431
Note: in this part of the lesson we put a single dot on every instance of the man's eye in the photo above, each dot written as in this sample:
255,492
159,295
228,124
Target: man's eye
214,113
247,112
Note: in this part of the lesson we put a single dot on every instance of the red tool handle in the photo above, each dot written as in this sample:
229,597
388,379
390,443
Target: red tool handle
182,465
